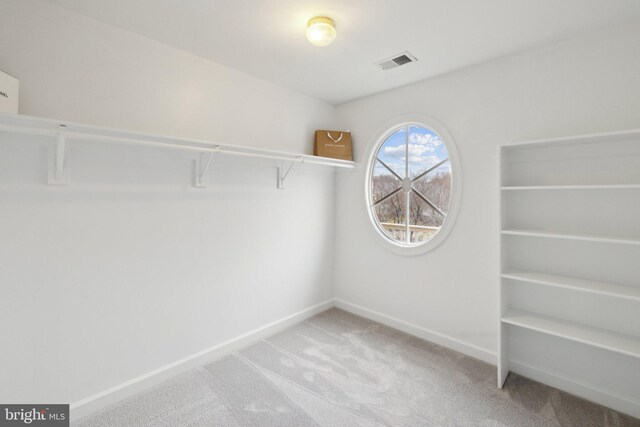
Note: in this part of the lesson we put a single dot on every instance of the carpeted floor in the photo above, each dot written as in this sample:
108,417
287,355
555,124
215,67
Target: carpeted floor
337,369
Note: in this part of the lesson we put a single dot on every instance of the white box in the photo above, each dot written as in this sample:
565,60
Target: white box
9,90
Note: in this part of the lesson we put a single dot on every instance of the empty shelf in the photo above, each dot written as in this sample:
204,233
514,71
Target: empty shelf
565,236
602,288
573,187
619,343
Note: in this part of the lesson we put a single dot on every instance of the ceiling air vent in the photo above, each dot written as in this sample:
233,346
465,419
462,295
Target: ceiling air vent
396,61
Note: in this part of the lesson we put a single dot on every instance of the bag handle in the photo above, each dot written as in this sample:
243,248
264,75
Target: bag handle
335,140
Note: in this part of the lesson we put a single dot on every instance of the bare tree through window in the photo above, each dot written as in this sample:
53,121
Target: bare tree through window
411,185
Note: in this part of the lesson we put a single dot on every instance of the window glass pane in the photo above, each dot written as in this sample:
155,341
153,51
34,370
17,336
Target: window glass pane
393,152
436,187
382,182
390,216
426,149
424,221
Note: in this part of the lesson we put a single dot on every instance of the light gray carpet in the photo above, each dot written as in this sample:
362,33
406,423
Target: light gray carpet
337,369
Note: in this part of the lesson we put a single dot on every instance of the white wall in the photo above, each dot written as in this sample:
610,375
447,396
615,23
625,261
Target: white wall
130,268
587,85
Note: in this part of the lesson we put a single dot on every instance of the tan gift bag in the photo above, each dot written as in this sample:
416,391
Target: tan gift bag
334,144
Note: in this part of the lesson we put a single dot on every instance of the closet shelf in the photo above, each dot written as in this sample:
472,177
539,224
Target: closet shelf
565,236
59,133
602,288
572,187
21,124
619,343
597,138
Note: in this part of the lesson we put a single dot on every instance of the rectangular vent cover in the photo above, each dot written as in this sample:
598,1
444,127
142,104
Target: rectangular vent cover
396,61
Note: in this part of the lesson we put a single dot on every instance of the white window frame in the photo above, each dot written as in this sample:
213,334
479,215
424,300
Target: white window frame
456,189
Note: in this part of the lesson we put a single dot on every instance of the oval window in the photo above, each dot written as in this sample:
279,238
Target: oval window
410,185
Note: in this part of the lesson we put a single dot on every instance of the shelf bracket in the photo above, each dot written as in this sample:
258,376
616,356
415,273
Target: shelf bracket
59,170
202,168
283,175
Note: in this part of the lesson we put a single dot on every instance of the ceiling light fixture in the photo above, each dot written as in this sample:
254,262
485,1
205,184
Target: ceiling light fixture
321,31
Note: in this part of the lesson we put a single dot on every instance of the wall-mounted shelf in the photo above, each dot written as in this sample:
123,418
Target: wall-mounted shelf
577,140
554,280
608,340
63,134
572,187
569,245
565,236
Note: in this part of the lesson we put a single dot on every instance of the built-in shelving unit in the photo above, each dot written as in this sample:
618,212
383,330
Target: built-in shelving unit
569,237
62,135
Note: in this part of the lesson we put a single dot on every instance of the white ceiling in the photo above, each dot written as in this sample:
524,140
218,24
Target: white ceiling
266,38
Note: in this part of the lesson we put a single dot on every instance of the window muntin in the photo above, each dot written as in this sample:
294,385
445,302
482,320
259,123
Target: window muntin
410,185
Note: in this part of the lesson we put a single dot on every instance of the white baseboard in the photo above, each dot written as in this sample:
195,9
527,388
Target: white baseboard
418,331
588,392
107,397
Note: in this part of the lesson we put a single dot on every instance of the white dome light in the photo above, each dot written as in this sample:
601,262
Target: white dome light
321,31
